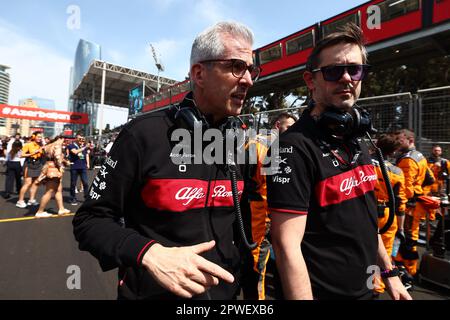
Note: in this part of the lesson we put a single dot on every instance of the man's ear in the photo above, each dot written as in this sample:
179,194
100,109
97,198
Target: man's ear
197,75
308,78
277,125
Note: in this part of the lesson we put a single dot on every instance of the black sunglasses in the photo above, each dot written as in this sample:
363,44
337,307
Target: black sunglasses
239,67
357,72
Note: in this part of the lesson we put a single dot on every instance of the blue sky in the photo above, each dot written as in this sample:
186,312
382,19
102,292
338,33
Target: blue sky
38,45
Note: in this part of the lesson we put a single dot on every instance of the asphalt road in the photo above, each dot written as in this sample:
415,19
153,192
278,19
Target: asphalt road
40,259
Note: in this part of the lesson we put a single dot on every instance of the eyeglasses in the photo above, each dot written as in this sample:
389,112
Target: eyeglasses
357,72
239,67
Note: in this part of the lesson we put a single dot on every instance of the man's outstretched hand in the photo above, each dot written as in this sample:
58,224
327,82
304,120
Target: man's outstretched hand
182,271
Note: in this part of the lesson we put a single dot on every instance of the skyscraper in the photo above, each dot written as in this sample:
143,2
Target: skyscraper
4,84
4,93
86,53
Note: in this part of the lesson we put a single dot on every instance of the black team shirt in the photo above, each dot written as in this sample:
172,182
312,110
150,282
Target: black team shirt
159,201
340,240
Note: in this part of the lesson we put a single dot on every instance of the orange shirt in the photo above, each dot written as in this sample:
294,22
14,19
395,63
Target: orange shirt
32,147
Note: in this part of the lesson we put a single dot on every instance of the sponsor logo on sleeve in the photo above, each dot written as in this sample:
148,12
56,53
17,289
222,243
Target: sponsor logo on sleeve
281,180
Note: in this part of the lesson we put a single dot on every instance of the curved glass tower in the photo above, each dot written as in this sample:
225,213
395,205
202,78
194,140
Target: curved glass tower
86,53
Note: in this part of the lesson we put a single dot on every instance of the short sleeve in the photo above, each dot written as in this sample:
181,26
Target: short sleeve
289,185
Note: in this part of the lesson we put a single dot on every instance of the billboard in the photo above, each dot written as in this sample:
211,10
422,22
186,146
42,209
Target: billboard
35,129
136,99
7,111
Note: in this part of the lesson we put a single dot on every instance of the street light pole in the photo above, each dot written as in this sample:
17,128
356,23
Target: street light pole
102,100
158,65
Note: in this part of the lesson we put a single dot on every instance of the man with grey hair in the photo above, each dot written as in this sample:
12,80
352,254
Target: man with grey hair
177,239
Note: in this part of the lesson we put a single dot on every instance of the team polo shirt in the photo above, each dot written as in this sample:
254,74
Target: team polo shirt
340,240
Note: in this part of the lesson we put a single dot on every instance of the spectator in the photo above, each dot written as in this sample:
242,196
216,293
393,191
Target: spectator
51,176
79,159
13,169
16,137
32,152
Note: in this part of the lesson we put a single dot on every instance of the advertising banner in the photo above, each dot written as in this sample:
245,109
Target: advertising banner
136,99
7,111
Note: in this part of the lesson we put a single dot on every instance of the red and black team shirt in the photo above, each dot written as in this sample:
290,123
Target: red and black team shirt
175,203
340,240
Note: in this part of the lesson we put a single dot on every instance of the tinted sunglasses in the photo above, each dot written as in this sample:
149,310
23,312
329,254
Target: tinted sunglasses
239,67
357,72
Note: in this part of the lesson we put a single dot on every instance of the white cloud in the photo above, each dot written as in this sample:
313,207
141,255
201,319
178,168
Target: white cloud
210,11
36,69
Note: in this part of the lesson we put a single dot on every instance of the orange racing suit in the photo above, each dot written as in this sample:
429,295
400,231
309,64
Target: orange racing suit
256,189
415,169
397,181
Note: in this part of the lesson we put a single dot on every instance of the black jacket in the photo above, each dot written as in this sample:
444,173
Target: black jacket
158,201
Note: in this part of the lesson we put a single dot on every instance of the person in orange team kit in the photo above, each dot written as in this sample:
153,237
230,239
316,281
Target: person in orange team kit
255,195
417,176
440,168
388,145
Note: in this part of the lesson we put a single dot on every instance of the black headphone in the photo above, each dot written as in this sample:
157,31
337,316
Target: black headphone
190,117
352,124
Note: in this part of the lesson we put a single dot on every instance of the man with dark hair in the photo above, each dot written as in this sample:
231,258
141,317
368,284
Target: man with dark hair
321,199
417,176
283,121
79,163
440,168
177,239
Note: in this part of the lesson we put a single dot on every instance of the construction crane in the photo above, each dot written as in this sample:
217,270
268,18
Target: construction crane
158,65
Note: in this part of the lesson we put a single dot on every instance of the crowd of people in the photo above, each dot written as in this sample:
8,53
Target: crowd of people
35,161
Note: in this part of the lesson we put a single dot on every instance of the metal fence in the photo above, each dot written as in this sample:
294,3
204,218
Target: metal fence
390,112
264,119
427,113
433,124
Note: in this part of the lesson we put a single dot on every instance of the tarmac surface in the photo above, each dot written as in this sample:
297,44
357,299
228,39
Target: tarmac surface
40,259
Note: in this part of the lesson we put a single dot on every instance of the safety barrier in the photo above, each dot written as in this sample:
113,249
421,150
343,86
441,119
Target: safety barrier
427,113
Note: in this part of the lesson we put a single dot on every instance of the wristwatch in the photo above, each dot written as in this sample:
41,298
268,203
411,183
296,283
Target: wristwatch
394,272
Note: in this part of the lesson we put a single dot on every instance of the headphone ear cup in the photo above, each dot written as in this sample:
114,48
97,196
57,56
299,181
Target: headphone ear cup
363,122
337,123
190,118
